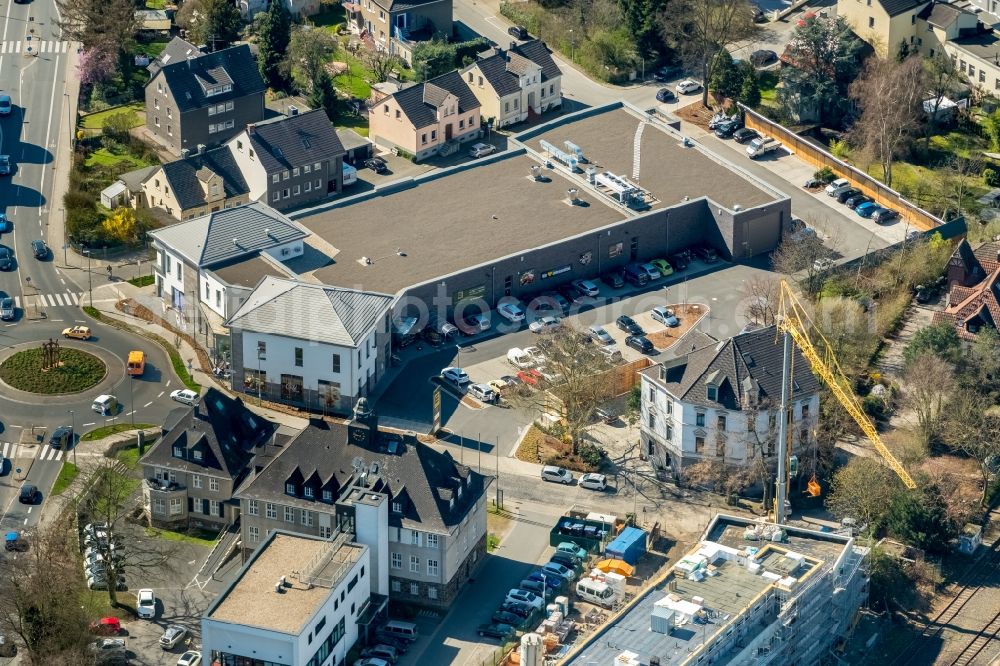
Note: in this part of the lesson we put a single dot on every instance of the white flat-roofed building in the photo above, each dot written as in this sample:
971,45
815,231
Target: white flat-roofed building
296,602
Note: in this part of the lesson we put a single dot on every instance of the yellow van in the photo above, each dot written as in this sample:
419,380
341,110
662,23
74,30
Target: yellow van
136,363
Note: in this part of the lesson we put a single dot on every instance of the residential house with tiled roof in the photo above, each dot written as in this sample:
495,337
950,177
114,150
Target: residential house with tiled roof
206,267
433,117
310,345
203,100
435,523
203,453
176,50
397,26
973,301
515,84
717,401
929,28
290,161
196,185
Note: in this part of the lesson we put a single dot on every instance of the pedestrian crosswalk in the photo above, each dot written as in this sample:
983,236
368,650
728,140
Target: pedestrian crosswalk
51,300
36,46
12,450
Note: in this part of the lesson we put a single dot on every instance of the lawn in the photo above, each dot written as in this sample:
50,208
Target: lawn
96,120
156,4
66,476
196,537
151,49
350,121
354,81
104,157
78,371
107,431
330,18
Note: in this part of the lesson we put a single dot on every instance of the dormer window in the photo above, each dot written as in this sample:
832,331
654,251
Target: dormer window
327,495
178,452
397,506
308,492
196,454
290,489
459,491
713,392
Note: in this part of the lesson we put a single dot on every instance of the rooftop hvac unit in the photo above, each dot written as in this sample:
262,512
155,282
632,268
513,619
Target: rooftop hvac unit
536,172
591,174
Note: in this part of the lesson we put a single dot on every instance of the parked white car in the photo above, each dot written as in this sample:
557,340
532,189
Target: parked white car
185,396
511,311
482,150
145,604
600,336
586,287
594,481
688,86
483,392
455,375
189,658
525,597
836,186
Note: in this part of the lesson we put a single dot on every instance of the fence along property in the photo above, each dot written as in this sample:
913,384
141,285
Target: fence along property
818,157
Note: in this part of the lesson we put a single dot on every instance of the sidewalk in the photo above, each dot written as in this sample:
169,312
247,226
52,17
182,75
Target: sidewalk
105,297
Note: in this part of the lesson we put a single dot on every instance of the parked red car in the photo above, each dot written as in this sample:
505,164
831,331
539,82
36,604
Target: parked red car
106,626
531,376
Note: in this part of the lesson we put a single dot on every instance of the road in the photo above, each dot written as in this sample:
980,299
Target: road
33,71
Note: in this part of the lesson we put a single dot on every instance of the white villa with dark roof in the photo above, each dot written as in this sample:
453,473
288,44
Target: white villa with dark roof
718,402
206,267
310,345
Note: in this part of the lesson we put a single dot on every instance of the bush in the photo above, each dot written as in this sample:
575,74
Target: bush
991,177
825,174
590,455
874,406
920,518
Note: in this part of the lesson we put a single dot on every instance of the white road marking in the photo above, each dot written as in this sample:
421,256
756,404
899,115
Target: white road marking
87,425
62,281
167,384
161,394
48,129
147,404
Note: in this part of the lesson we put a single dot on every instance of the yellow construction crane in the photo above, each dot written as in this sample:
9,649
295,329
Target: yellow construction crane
792,319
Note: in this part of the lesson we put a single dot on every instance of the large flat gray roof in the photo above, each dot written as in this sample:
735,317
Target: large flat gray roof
446,224
667,169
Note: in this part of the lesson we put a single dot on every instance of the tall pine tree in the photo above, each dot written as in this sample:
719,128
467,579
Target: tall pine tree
272,41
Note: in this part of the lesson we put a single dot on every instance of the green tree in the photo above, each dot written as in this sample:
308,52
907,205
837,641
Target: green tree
939,339
750,87
308,53
216,23
920,518
323,95
991,126
640,20
273,36
824,58
726,76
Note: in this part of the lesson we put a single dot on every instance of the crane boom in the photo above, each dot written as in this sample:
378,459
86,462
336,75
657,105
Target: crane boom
792,319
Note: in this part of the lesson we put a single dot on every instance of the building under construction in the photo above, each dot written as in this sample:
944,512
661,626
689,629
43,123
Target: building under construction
750,592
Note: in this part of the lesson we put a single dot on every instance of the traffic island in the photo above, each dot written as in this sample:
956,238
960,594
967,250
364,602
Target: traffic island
35,371
30,440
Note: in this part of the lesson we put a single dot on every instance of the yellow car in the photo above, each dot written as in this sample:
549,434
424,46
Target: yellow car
78,332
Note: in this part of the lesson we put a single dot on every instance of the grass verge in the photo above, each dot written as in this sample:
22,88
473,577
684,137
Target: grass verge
77,371
175,357
114,429
202,538
142,281
68,472
104,157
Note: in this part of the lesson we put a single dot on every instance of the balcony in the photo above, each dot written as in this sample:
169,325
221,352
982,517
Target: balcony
162,485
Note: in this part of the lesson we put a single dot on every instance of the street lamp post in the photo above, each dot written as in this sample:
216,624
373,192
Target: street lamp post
72,434
572,45
90,280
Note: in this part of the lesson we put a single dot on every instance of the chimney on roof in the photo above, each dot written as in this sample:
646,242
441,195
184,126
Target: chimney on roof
513,45
201,148
203,48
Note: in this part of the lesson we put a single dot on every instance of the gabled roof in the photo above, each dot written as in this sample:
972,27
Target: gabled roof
234,66
941,14
186,175
292,141
747,362
502,67
426,479
979,298
897,7
227,434
311,312
228,234
415,106
134,179
176,50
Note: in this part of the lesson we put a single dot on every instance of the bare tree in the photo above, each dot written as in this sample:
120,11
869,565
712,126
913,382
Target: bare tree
381,63
701,29
957,185
38,592
761,298
889,94
972,426
927,384
802,256
942,80
105,25
109,501
579,384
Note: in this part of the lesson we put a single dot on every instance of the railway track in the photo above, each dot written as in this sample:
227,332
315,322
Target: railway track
976,575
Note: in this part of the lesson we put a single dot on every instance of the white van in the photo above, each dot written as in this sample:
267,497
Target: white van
105,405
405,630
350,174
596,592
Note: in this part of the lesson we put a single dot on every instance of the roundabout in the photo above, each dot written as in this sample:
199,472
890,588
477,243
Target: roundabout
69,371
